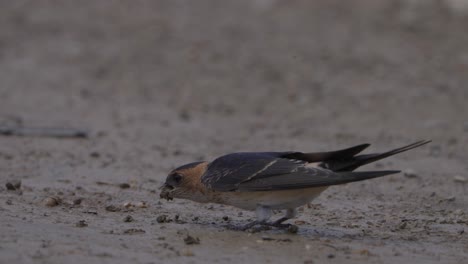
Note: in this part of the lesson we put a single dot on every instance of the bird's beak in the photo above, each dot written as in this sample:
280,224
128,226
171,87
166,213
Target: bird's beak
166,192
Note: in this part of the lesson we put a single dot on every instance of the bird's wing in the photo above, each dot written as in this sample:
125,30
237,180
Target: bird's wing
263,171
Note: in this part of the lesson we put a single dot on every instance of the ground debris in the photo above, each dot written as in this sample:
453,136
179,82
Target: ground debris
81,223
163,219
187,253
293,229
190,240
128,219
55,132
13,185
112,208
133,231
52,201
459,178
124,186
267,238
77,201
141,204
410,173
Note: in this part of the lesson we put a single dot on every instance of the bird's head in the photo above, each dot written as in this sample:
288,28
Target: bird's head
184,181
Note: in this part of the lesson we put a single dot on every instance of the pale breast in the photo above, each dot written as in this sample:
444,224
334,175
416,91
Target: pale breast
274,199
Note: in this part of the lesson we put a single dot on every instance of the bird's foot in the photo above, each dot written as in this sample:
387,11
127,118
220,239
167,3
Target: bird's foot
258,226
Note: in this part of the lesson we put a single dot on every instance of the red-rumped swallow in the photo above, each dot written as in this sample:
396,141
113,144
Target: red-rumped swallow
267,181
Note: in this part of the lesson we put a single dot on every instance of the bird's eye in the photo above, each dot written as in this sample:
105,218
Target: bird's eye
177,178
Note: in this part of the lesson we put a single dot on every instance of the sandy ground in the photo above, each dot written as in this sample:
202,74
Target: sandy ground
161,83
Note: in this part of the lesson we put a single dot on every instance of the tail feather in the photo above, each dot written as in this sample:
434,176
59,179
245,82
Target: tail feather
329,155
360,160
348,176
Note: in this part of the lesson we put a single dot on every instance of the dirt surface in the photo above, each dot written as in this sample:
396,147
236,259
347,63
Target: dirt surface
161,83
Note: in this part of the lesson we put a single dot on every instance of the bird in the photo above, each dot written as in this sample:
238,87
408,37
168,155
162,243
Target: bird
268,181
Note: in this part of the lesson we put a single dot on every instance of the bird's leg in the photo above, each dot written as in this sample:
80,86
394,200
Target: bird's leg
263,214
252,224
290,213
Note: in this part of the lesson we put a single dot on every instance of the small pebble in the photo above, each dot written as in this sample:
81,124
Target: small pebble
459,178
10,186
94,154
132,231
402,225
225,218
162,219
128,219
124,186
410,173
17,184
13,185
112,208
190,240
187,252
81,223
141,204
293,229
330,256
77,201
364,252
52,201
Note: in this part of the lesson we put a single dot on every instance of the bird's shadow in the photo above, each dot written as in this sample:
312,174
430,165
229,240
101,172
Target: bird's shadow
317,231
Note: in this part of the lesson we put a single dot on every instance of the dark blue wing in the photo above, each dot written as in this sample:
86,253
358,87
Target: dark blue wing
262,171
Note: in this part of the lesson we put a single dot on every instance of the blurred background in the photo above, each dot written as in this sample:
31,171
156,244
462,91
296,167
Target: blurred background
161,83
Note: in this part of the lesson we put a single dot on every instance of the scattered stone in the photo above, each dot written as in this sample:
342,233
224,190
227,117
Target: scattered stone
141,204
402,225
459,178
184,115
410,173
190,240
128,219
133,231
8,202
13,185
162,219
187,252
94,154
10,186
52,201
330,256
77,201
364,252
225,218
112,208
124,186
293,229
81,223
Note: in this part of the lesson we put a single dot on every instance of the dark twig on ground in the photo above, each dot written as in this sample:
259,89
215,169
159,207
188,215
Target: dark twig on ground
43,132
